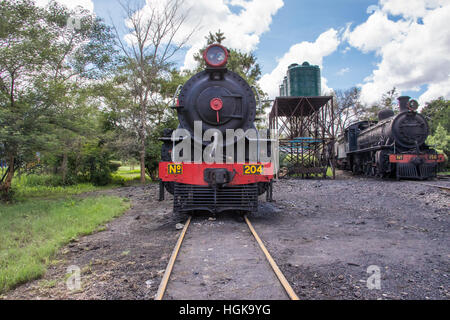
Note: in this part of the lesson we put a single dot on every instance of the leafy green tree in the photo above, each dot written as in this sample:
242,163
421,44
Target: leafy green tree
147,60
121,119
438,113
42,61
440,140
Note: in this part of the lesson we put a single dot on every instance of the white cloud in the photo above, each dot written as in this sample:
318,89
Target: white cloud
313,52
346,49
410,8
71,4
436,90
242,30
343,71
372,9
414,48
376,32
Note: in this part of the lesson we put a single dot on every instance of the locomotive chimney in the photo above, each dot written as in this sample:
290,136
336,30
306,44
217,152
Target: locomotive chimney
403,103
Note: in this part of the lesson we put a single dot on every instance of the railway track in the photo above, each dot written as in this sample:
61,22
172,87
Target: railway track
165,280
446,188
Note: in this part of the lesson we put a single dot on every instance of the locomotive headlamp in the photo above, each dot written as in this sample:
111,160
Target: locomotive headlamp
215,56
413,105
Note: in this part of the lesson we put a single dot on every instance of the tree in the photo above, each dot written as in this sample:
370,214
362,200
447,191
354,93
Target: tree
388,101
41,61
147,59
348,108
437,113
121,119
440,140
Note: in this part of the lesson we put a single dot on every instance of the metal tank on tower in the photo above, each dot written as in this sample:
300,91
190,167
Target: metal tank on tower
302,120
301,80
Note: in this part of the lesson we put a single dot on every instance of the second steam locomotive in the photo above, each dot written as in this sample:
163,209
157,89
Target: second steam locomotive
392,146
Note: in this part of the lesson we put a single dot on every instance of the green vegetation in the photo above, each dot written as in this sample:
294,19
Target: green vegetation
128,172
441,142
125,176
438,114
31,232
45,103
27,187
24,191
51,187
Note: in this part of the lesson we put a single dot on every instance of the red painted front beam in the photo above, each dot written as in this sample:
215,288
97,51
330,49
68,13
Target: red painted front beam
192,173
406,158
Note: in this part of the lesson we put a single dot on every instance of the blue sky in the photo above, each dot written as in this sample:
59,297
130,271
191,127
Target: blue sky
301,21
297,21
401,43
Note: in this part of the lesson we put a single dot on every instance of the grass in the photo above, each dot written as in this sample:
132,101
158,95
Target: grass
50,186
44,216
31,232
126,170
47,186
125,176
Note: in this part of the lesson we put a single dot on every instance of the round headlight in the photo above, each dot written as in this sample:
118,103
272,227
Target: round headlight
413,105
215,55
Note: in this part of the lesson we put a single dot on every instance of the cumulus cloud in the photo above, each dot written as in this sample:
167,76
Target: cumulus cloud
71,4
410,8
376,32
313,52
242,29
343,71
412,39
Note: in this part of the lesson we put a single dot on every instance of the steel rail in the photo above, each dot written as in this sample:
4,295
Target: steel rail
173,257
273,264
436,186
163,285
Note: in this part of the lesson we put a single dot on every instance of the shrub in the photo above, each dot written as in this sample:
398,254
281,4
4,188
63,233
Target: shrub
93,165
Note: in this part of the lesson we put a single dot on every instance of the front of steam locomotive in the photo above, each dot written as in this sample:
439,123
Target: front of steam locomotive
220,101
409,128
216,97
409,131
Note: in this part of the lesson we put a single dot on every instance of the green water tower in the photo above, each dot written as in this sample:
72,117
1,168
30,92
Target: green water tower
303,80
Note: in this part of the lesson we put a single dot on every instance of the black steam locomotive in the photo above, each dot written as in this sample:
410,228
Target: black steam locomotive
220,100
392,146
